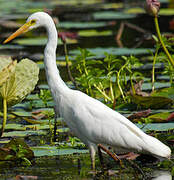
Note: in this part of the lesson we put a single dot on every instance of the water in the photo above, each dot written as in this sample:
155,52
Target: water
76,165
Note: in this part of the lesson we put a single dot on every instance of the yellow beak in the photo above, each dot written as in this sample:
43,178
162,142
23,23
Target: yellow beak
21,30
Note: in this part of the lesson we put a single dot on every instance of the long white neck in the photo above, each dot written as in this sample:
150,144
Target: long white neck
55,82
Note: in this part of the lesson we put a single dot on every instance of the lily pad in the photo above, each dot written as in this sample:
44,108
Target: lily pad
159,117
166,11
158,85
135,10
111,5
22,113
110,15
90,33
53,150
3,47
156,126
82,25
39,41
100,52
24,133
165,92
153,102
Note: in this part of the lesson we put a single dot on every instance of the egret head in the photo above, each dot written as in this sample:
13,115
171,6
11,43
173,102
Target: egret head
35,20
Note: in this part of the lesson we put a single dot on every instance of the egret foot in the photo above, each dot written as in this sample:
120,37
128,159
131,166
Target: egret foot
113,155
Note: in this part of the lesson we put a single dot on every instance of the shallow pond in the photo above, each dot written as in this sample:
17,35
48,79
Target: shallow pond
93,25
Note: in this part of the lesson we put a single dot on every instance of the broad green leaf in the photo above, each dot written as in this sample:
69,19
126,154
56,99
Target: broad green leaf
82,25
165,92
16,127
53,150
166,11
110,15
31,41
156,126
22,113
4,61
10,47
7,71
40,41
158,85
90,33
21,83
100,52
24,133
112,5
159,117
135,10
153,102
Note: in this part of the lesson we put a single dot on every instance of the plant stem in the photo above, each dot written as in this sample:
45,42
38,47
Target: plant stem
119,86
103,93
86,73
4,116
161,41
118,80
67,65
111,90
132,85
153,70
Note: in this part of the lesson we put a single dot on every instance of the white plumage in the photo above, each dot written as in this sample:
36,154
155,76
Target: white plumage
92,121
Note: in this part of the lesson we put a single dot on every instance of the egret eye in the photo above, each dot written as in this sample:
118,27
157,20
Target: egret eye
33,21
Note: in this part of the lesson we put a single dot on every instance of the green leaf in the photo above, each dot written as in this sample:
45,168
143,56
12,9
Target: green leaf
135,10
159,117
16,149
53,150
110,15
24,133
165,92
156,126
100,52
7,71
21,83
153,102
166,11
82,25
90,33
40,41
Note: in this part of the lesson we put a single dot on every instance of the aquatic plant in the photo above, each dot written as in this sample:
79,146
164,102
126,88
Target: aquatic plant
105,78
152,7
16,151
22,79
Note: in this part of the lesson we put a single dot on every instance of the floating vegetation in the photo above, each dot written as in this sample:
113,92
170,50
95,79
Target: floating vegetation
95,25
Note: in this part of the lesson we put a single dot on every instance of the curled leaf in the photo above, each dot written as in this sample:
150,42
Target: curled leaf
6,72
21,82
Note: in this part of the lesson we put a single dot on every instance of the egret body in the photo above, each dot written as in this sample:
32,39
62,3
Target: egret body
90,120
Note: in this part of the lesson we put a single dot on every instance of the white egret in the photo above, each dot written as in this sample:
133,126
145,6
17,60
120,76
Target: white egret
92,121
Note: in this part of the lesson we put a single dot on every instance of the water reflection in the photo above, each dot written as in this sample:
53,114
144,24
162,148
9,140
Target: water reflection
161,175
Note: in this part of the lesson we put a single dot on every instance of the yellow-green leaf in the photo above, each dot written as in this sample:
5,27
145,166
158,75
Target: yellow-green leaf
6,72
